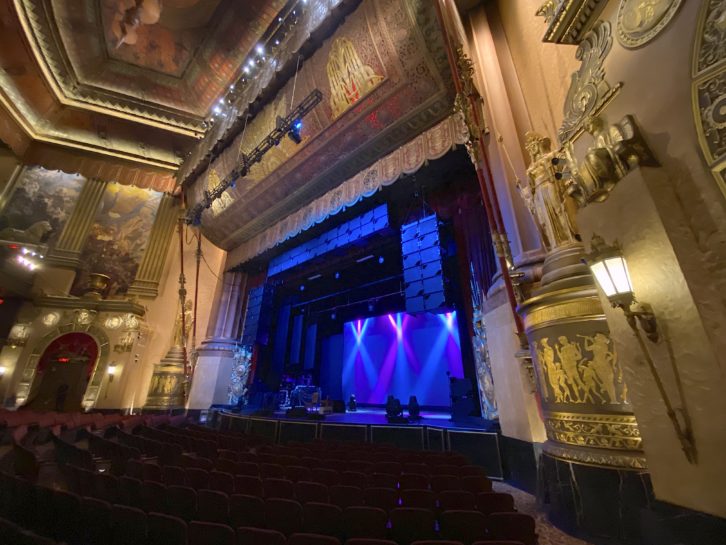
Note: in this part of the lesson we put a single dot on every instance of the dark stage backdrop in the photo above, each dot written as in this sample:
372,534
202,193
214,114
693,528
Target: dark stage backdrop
401,355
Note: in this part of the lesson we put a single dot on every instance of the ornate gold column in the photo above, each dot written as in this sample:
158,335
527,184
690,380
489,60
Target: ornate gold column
587,413
67,250
146,283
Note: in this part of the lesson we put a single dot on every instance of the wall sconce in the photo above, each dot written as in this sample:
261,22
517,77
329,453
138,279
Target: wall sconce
3,370
111,370
610,270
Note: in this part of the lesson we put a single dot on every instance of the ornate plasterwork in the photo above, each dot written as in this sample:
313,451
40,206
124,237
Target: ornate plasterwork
709,87
400,40
568,20
639,21
428,146
589,90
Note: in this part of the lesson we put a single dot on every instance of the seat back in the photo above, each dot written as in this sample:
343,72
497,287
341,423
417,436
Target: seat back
364,522
210,533
306,491
323,518
463,525
409,524
312,539
258,536
166,530
129,525
424,499
181,501
283,515
512,526
346,496
457,500
383,498
246,510
494,502
212,506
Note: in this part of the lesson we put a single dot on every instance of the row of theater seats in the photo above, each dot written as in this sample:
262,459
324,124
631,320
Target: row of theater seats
77,520
184,487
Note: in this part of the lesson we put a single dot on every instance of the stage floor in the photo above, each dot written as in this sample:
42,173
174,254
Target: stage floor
377,417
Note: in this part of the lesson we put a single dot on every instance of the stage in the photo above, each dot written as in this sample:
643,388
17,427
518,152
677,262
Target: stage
434,431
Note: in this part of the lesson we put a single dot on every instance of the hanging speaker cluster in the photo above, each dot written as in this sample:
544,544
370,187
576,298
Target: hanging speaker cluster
422,268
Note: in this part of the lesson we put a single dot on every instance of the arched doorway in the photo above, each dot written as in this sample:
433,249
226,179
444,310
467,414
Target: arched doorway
63,372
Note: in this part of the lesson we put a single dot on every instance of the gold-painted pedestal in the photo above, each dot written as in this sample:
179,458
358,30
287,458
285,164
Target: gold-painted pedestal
166,390
588,417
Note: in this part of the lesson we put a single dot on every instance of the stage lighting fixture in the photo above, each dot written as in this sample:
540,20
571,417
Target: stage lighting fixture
370,307
294,132
381,260
302,288
337,275
333,316
414,410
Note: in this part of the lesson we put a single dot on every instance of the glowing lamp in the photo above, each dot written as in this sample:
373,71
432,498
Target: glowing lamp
111,370
610,270
3,370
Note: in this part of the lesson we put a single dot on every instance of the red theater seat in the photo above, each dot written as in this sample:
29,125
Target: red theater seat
181,501
464,526
246,484
323,518
409,524
306,491
166,530
346,496
312,539
424,499
246,510
129,525
258,536
209,533
364,522
476,484
221,481
416,481
283,515
278,488
494,502
457,499
512,526
212,506
383,498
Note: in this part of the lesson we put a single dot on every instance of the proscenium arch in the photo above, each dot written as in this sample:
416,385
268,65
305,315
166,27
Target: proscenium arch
29,378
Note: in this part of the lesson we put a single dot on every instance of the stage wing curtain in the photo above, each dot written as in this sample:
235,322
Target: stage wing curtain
432,144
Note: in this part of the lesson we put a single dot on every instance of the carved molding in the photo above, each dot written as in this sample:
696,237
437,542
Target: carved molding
640,21
709,87
618,432
569,20
589,91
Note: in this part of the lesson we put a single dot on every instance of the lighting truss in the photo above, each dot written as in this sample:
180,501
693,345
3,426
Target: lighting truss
284,126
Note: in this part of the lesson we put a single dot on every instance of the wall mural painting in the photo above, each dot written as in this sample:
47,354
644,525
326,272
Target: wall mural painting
118,237
39,206
349,77
572,376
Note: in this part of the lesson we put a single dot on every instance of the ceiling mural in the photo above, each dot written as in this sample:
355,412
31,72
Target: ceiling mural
384,77
168,73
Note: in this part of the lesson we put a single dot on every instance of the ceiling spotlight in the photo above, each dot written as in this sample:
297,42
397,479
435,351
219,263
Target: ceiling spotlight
333,316
217,110
381,260
260,49
294,132
302,288
246,70
337,275
277,42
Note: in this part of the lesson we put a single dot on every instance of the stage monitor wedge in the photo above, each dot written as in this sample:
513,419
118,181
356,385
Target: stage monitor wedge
423,276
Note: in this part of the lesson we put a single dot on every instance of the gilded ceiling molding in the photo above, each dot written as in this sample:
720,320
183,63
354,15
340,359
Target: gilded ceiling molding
709,87
589,91
640,21
400,41
430,145
568,20
39,129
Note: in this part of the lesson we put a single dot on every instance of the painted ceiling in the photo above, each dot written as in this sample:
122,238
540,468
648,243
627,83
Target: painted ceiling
70,85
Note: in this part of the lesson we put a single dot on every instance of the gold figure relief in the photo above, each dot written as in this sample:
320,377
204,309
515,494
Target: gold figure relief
639,21
349,78
220,204
573,377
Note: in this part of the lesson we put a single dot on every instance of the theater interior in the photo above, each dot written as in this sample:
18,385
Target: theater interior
363,272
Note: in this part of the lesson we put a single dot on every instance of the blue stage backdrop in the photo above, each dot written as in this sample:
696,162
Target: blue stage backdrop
401,355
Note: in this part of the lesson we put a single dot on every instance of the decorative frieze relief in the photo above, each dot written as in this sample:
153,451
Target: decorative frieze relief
640,21
569,20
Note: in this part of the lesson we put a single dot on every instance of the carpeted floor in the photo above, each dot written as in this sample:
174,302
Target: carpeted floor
548,534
